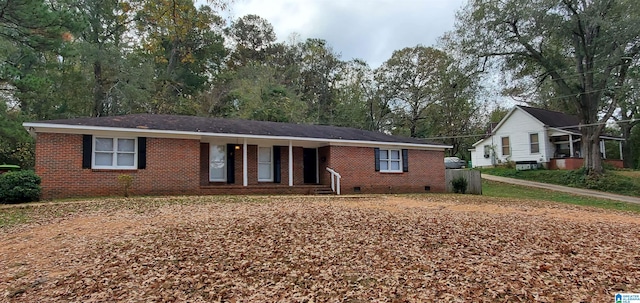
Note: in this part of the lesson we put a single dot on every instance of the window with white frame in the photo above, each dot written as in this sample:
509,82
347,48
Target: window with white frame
534,143
218,163
114,153
265,164
506,146
390,160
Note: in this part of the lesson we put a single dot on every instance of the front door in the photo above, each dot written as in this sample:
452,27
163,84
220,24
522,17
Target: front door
310,162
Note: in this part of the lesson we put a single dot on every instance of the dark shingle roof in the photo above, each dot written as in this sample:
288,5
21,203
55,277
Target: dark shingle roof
235,126
559,120
554,119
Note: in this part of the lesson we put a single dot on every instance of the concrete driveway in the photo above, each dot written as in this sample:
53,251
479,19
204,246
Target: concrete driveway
564,189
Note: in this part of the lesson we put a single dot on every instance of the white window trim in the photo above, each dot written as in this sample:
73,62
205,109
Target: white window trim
224,174
270,179
114,159
389,170
531,144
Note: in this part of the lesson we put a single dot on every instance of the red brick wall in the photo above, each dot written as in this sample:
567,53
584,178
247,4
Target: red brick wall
576,163
180,166
252,164
615,163
204,163
357,167
173,167
298,165
298,170
566,163
323,162
284,165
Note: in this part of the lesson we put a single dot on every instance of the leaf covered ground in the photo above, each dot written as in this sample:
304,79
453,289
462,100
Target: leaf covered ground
423,248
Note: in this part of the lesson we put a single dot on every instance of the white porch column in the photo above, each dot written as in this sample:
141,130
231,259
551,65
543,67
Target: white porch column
245,177
602,149
290,163
621,155
571,146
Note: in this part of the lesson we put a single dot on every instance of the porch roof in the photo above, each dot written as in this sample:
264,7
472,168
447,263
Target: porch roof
206,126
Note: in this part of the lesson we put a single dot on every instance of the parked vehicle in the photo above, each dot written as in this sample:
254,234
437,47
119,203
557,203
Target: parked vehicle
6,168
454,162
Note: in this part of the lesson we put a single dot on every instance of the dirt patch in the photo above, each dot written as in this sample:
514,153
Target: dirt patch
378,248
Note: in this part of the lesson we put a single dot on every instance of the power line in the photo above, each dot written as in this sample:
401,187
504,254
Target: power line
576,95
561,127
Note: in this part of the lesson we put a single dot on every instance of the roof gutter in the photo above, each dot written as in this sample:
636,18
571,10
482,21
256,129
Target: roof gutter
81,129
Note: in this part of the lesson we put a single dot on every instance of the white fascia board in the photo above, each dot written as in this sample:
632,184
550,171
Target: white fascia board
357,143
479,142
82,129
564,131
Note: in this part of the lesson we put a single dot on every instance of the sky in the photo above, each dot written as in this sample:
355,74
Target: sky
365,29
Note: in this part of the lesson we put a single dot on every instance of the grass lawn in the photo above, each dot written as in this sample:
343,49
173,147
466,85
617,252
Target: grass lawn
502,190
405,248
635,174
621,182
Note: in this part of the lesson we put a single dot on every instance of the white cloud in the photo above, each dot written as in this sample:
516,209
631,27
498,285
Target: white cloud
366,29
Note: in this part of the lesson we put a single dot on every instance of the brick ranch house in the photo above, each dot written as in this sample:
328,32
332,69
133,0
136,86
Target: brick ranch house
175,155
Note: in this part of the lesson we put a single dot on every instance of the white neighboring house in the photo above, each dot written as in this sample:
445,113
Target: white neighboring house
534,135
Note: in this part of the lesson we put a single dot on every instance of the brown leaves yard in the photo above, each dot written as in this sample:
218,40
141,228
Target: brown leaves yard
319,249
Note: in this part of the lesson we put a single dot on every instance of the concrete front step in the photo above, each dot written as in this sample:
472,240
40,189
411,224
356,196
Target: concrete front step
323,191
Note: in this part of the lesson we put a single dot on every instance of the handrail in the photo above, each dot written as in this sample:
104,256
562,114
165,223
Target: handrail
335,180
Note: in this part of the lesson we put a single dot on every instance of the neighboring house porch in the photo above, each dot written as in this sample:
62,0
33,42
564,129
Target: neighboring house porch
568,151
551,139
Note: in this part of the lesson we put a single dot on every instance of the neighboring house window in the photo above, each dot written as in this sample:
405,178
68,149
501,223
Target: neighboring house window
217,163
265,164
535,143
114,153
390,160
505,146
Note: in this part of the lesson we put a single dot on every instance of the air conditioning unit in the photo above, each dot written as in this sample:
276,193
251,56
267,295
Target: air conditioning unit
527,165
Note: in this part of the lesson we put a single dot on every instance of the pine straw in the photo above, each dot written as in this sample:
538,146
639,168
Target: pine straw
443,248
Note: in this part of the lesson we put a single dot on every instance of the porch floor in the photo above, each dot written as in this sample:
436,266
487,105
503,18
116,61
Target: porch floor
235,189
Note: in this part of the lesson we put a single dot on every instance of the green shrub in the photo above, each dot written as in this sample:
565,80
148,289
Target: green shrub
19,186
125,181
459,185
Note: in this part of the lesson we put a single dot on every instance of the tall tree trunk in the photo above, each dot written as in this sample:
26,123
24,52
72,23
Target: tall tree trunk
591,150
413,127
591,129
98,91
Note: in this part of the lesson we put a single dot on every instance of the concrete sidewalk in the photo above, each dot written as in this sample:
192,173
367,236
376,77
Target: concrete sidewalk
564,189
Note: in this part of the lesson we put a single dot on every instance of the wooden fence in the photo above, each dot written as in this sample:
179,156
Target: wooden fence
474,180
